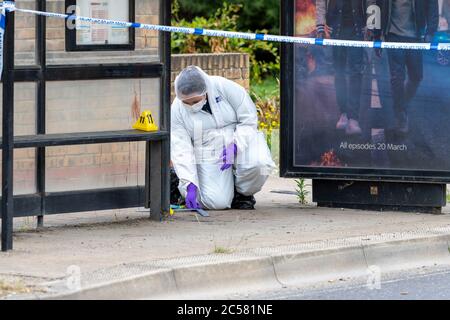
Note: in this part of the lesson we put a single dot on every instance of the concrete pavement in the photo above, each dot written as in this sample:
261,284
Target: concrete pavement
122,244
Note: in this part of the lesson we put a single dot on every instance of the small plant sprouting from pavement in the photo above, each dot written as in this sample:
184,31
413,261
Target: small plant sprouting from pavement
221,250
302,193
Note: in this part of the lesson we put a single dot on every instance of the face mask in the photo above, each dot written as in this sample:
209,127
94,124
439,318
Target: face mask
196,107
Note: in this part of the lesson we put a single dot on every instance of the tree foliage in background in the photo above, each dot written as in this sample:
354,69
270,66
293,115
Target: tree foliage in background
255,14
264,56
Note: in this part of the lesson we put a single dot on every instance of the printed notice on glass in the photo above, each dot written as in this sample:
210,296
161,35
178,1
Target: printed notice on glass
98,34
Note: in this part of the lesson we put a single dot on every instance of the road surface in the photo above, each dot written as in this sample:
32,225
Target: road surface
418,284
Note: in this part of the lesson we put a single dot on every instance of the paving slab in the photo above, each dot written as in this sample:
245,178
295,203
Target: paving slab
98,240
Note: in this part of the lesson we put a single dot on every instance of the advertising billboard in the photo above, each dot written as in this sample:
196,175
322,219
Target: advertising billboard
362,112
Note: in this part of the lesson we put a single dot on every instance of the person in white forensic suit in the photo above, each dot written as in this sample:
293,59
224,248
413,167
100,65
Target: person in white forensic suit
219,157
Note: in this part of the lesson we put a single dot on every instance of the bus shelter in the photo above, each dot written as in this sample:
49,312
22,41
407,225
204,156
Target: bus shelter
70,95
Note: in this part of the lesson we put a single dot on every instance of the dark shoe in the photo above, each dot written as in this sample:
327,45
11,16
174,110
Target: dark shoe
175,195
241,202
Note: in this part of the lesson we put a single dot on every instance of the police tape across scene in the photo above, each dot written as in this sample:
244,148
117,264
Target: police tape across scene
10,6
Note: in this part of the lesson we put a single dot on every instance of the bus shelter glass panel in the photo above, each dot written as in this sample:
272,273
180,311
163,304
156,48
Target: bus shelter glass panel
96,166
25,34
90,106
99,105
24,124
146,42
24,171
24,108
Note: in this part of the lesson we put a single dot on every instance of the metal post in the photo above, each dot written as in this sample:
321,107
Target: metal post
286,87
165,52
147,175
155,195
40,107
8,135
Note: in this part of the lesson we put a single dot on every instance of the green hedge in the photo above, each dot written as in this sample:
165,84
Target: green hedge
264,56
255,14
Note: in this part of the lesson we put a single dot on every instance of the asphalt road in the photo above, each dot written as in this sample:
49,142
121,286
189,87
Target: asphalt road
419,284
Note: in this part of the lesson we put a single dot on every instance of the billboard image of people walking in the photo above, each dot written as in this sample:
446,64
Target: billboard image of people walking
372,108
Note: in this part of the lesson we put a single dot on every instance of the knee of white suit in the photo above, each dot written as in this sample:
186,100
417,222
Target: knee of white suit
218,201
250,181
213,200
216,187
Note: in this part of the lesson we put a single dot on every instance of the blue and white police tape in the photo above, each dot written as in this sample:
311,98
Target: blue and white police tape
2,34
10,6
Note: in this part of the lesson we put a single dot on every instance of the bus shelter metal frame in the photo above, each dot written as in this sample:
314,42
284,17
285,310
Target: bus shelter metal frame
156,193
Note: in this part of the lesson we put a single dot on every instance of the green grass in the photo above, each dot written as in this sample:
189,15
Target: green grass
448,198
266,88
221,250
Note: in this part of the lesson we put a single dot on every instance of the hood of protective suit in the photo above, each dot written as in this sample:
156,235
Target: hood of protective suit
210,91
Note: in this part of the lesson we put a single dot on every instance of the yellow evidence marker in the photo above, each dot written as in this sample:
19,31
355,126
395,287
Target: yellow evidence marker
145,122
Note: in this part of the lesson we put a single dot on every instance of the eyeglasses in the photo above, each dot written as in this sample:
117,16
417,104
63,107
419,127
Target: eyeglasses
193,100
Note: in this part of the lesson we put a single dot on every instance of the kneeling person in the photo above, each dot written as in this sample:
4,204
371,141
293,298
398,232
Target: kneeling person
219,156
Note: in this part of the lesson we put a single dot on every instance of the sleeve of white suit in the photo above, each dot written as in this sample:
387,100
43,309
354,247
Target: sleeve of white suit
182,152
247,118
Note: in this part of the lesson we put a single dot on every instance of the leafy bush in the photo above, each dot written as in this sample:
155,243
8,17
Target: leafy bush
255,14
267,101
264,57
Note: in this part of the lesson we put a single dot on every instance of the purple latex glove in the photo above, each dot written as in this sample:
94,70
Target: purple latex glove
191,197
228,156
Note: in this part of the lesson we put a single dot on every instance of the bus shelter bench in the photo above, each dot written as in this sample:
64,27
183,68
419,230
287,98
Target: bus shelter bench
155,158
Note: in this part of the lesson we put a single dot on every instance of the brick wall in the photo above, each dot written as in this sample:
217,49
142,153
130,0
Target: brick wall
233,66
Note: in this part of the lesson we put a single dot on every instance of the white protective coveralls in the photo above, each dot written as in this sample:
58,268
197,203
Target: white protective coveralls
198,140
